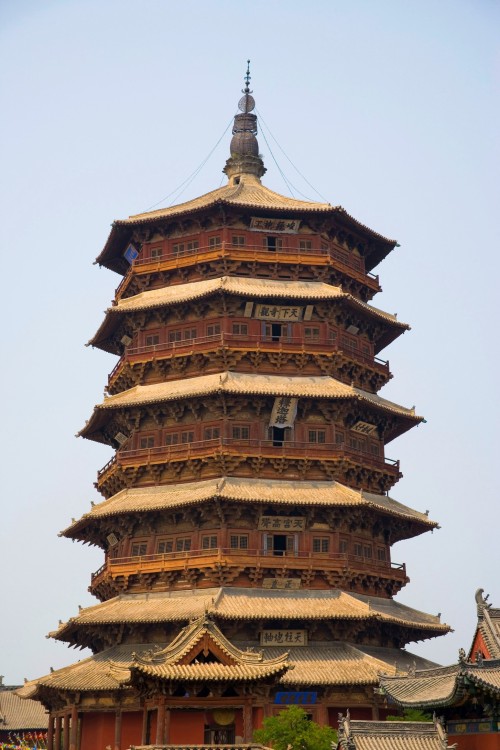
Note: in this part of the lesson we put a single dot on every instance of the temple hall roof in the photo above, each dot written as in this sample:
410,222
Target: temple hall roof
261,491
235,603
238,383
312,291
391,735
307,665
442,686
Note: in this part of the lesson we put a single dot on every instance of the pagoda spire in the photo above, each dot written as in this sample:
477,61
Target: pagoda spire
244,148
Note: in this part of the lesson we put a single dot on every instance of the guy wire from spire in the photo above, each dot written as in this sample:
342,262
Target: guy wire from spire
288,158
185,184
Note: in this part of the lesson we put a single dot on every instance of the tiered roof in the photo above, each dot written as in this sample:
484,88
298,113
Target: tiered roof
250,384
234,603
255,491
312,291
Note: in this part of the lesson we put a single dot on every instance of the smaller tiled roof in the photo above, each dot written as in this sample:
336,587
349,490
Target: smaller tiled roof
107,670
310,291
238,383
391,735
234,664
442,686
258,491
18,715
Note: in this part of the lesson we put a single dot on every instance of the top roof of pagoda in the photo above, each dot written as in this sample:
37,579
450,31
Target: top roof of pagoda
245,191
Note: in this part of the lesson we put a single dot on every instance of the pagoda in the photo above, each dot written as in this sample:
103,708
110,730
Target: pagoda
245,521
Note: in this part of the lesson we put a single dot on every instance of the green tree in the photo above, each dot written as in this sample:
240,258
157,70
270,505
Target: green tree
292,730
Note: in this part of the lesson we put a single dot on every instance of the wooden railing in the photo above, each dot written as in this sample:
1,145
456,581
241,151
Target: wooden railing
216,746
272,448
351,265
248,342
249,558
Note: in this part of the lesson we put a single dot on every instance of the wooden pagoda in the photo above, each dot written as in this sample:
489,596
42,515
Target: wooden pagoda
246,523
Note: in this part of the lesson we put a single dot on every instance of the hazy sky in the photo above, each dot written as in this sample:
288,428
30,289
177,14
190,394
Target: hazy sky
387,107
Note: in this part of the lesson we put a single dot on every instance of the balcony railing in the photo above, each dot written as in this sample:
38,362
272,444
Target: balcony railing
271,448
215,746
344,261
285,560
249,342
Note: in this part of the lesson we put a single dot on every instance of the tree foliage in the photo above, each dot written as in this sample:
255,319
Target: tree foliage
292,730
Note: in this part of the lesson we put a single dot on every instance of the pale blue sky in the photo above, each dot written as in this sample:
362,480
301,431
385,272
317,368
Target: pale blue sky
387,107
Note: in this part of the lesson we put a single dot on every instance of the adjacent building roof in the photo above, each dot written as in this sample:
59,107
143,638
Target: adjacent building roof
235,603
18,715
322,387
487,636
249,194
312,291
391,735
259,491
443,686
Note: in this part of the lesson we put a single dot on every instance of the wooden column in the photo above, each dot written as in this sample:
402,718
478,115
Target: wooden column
118,730
50,733
247,721
144,725
322,715
375,713
166,731
160,722
57,735
66,732
73,739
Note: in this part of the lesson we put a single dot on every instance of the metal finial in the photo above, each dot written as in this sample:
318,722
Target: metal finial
247,103
247,79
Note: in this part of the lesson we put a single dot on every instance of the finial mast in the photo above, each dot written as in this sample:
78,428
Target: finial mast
246,90
244,159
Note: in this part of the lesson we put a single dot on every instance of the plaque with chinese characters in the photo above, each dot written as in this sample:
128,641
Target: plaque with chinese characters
284,412
278,312
365,428
281,583
282,226
283,637
281,523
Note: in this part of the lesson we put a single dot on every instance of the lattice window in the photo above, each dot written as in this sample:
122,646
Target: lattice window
321,544
209,541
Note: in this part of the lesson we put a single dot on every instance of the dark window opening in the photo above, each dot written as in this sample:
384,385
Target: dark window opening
275,331
278,436
281,544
